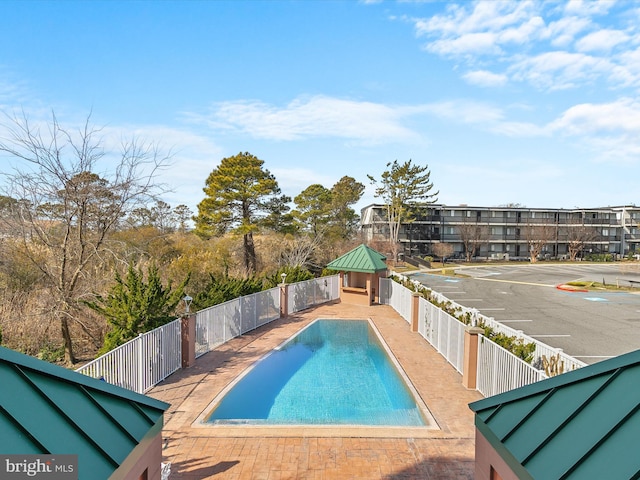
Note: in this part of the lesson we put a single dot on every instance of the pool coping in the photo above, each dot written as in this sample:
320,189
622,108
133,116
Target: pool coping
344,452
334,430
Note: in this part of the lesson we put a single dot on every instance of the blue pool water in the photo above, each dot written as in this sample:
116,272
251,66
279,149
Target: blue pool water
332,372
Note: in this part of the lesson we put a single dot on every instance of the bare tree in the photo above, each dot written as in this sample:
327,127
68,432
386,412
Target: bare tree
578,235
299,251
537,237
65,210
472,236
442,250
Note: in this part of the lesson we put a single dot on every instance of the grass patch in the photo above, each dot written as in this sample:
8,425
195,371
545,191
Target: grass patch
590,285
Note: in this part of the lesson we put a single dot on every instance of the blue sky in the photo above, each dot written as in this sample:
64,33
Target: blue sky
530,102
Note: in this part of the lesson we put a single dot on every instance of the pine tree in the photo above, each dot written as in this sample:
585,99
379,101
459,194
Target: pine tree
135,306
404,188
241,194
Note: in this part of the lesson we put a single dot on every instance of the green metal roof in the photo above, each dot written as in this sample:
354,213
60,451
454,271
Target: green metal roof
580,425
360,259
47,409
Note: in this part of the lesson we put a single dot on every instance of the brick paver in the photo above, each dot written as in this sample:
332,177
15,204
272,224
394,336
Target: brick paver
270,453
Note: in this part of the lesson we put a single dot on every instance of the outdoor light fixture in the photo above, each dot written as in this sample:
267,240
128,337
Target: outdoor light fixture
284,276
187,301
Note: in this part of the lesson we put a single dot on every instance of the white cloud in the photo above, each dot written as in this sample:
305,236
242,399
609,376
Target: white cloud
471,43
523,33
485,78
559,70
589,7
313,117
517,129
480,29
611,130
620,116
601,40
481,16
562,32
485,117
549,45
465,111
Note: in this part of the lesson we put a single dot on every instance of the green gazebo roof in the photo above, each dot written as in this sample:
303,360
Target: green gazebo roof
360,259
47,409
582,424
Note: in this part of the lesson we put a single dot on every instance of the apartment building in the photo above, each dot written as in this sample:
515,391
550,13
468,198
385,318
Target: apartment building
512,232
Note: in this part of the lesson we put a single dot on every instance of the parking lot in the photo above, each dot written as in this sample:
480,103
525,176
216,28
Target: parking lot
590,326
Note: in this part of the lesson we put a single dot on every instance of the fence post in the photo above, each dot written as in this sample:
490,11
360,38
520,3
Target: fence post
470,360
284,300
141,362
415,310
188,337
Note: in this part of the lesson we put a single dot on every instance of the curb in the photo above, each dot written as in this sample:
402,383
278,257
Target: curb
570,288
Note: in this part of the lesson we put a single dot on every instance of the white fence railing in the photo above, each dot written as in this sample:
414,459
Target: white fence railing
303,295
399,297
542,351
443,331
151,357
142,362
500,371
220,323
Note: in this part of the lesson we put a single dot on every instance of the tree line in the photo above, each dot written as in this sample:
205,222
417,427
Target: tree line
90,256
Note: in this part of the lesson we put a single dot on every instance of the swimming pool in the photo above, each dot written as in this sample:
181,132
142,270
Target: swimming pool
334,372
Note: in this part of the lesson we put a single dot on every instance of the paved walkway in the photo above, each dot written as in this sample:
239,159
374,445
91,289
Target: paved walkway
270,453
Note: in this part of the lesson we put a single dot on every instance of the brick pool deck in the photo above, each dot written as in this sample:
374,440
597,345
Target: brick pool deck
269,453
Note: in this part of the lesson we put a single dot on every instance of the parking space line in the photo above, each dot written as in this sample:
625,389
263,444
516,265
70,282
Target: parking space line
514,281
550,335
593,356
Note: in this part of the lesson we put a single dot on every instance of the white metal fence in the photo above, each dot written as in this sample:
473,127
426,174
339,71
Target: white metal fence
220,323
396,295
142,362
303,295
500,371
151,357
443,331
542,351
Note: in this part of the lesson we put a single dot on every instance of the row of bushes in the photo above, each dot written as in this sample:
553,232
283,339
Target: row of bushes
517,346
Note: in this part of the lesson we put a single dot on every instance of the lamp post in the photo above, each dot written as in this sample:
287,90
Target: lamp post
187,302
283,276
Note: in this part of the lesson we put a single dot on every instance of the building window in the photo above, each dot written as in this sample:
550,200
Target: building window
605,232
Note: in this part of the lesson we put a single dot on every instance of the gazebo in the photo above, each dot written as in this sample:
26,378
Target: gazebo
49,411
360,271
